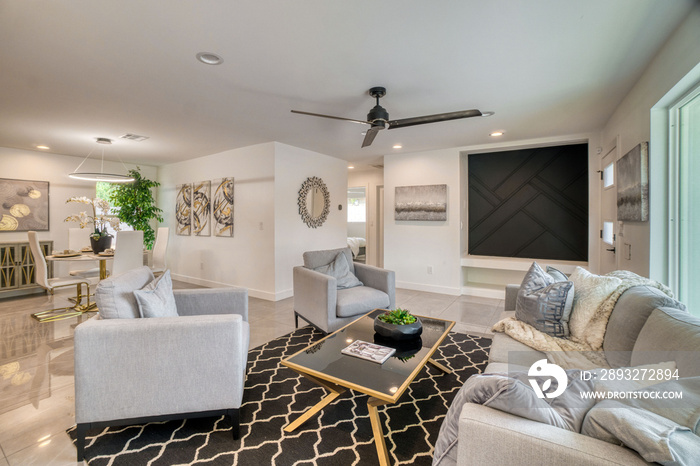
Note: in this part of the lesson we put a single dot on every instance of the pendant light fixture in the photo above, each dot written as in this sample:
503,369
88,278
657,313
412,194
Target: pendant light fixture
101,176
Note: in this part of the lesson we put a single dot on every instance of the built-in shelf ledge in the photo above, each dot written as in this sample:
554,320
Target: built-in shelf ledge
519,264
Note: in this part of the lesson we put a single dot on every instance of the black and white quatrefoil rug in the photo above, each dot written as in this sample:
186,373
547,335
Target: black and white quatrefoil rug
341,434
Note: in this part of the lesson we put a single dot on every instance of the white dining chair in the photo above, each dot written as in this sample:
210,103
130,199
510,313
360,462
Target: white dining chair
159,249
78,238
41,277
128,253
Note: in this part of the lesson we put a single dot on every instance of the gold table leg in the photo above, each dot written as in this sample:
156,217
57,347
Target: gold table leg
103,269
439,366
383,455
335,391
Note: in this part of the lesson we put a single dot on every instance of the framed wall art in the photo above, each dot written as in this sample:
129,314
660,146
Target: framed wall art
183,210
633,185
426,203
201,208
24,205
222,207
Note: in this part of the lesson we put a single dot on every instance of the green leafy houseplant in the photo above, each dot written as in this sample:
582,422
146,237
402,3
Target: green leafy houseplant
137,207
397,317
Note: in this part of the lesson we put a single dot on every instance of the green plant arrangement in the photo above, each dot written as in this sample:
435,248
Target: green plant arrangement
397,317
137,207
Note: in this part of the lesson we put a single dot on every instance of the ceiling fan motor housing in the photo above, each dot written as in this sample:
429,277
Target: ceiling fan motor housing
378,116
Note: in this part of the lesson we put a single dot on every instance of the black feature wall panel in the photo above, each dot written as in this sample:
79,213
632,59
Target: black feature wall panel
530,203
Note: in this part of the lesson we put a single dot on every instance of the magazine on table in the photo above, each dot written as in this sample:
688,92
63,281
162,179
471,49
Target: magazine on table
369,351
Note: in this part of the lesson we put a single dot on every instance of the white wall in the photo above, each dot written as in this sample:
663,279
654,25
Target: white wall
370,179
292,236
410,247
631,121
54,168
246,259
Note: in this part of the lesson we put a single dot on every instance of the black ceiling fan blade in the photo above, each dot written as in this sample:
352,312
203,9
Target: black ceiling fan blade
422,120
371,134
332,117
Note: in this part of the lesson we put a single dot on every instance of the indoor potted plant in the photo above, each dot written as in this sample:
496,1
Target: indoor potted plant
137,206
398,324
100,239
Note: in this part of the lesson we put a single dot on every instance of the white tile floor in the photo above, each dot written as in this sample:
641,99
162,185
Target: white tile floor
36,363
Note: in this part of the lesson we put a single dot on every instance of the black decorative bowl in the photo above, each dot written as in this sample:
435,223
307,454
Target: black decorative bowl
398,332
405,349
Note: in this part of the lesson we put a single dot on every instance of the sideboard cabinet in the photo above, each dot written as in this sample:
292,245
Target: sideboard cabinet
17,268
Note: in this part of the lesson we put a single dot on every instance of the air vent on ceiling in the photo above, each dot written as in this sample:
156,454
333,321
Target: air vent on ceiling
134,137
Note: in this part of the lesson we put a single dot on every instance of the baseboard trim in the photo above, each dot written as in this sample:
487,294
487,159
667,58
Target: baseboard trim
429,288
484,292
266,295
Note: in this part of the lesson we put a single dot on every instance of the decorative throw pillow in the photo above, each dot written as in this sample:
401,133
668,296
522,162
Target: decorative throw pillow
340,270
156,299
557,275
591,292
544,303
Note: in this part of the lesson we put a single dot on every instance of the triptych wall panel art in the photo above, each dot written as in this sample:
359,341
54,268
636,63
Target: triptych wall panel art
201,208
223,207
204,205
183,209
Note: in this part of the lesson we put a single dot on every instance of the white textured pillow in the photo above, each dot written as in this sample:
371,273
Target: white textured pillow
590,292
156,299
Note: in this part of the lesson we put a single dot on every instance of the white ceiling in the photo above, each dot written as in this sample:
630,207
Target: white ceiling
73,71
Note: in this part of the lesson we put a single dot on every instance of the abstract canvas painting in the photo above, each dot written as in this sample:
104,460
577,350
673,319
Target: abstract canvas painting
222,207
24,205
201,208
633,185
427,203
183,209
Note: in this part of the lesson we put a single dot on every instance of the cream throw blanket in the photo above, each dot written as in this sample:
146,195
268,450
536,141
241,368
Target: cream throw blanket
585,352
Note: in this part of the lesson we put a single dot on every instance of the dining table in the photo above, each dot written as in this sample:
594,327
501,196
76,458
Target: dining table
82,257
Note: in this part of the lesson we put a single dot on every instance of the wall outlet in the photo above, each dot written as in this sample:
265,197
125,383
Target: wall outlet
261,226
201,266
430,270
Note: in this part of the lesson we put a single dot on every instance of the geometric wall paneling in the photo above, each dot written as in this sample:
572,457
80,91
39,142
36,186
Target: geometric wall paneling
24,205
222,207
633,185
201,208
183,209
530,203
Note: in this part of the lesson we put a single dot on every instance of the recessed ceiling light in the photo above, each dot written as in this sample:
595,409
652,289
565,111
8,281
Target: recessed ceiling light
43,147
397,146
350,167
209,58
496,133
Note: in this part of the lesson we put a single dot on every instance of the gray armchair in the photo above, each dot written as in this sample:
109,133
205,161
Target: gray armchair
134,370
318,300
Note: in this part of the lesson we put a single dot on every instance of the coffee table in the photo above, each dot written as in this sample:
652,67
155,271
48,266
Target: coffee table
324,364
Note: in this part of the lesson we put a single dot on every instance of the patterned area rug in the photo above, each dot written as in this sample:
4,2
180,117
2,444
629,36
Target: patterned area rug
275,395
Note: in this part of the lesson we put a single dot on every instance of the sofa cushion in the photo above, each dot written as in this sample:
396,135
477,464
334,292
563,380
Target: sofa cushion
507,350
360,300
556,274
340,270
627,319
545,303
313,259
156,299
591,292
670,335
115,295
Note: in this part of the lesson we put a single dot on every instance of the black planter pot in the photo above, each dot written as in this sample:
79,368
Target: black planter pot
398,332
100,244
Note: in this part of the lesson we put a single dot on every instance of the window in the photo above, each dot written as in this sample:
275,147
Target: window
688,195
357,205
103,191
608,235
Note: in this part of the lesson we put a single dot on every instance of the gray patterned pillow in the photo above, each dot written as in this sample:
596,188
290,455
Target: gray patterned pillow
340,270
545,303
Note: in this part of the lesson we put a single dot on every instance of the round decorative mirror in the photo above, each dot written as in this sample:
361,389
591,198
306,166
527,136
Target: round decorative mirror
314,202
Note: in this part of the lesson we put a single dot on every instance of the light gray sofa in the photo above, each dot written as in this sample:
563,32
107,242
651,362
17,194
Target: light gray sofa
131,370
645,327
318,300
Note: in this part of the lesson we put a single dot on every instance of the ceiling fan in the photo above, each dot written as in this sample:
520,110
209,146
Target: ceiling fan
378,117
